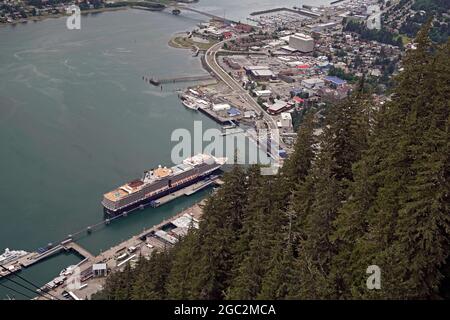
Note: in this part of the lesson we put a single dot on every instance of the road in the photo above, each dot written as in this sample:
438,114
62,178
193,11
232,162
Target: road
211,61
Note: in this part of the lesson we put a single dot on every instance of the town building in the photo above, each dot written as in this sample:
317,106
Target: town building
301,42
286,120
335,81
277,107
99,270
313,83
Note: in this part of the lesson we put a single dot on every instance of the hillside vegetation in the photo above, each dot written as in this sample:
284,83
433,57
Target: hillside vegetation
372,189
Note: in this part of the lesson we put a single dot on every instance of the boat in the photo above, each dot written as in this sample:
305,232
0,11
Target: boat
11,255
190,104
159,182
67,271
193,103
52,284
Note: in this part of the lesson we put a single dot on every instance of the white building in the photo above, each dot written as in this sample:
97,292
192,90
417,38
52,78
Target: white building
374,20
286,120
99,270
313,83
221,107
263,93
301,42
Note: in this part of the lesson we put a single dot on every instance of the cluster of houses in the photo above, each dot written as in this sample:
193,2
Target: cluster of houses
13,11
293,68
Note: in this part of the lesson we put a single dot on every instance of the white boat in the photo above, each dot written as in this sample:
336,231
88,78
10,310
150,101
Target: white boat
11,255
67,271
190,104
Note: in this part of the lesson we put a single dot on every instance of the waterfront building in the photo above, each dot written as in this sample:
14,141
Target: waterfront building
221,107
99,270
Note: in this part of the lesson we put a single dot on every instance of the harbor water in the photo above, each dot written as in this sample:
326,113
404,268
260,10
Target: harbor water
77,120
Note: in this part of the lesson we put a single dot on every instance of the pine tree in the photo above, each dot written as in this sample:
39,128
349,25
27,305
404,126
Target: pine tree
280,274
219,230
151,276
401,186
260,234
179,283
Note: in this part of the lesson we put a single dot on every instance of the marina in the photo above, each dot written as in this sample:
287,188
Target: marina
158,237
69,244
121,130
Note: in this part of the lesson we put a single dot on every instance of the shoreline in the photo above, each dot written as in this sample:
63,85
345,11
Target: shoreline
174,42
144,242
60,15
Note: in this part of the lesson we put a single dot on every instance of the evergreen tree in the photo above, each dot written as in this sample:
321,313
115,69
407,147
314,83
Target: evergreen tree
401,186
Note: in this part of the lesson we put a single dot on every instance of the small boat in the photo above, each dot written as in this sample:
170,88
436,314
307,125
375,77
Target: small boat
67,271
52,284
189,104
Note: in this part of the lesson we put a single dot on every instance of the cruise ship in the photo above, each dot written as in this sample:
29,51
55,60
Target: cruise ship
159,182
11,255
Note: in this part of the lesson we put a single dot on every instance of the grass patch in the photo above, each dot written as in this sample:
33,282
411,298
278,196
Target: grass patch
187,43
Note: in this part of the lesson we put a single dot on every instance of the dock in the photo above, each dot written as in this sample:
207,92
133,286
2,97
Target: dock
34,257
302,12
69,244
143,245
212,115
79,249
156,82
190,190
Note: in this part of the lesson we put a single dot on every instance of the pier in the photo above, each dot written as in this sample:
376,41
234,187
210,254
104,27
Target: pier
190,190
69,244
302,12
212,115
140,245
209,15
156,82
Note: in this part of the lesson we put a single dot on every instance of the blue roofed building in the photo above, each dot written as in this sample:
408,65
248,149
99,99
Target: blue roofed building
232,112
332,80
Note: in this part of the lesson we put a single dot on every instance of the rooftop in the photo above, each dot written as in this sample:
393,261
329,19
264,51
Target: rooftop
335,80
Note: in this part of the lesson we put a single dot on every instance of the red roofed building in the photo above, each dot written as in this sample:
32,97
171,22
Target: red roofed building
227,34
243,27
298,100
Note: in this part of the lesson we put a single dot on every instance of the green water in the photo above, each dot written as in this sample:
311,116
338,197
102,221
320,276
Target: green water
76,120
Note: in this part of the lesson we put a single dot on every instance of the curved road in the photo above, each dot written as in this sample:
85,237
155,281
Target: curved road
211,61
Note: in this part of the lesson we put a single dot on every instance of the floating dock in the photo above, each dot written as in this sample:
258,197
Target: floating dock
143,244
69,244
156,82
190,190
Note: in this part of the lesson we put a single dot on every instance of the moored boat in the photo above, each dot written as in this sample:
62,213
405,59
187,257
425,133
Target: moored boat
159,182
